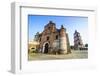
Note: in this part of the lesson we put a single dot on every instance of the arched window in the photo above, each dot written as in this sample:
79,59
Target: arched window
49,28
47,37
56,37
79,43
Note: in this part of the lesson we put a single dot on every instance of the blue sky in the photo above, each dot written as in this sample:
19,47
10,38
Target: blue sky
36,23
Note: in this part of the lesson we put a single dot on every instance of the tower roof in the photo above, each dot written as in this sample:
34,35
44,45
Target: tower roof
50,24
76,32
62,27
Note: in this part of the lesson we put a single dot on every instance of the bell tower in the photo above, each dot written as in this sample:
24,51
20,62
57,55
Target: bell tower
63,40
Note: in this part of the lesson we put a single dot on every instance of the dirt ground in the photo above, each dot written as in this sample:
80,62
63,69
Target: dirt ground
76,54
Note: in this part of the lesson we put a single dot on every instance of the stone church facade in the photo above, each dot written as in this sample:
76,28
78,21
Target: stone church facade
53,40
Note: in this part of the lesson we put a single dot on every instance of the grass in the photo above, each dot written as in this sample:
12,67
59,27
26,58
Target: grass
74,55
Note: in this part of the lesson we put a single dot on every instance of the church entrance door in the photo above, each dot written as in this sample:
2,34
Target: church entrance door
46,48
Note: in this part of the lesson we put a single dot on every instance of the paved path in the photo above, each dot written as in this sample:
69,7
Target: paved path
74,55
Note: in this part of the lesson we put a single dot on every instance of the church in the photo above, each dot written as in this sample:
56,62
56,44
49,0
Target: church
53,40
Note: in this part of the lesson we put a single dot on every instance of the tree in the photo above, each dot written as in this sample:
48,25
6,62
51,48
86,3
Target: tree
86,45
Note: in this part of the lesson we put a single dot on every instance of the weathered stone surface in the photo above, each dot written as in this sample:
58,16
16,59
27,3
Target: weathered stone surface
53,40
